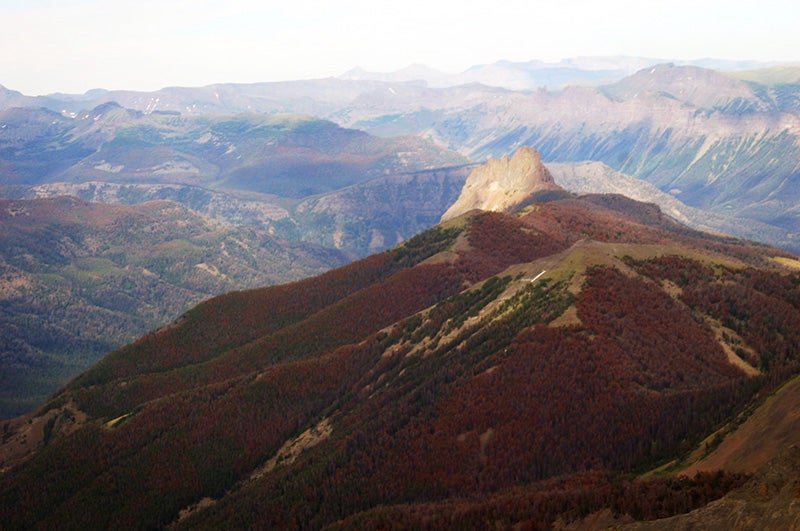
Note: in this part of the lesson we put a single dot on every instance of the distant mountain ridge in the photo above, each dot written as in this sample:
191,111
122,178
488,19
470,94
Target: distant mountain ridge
712,141
244,168
723,142
513,75
532,75
115,144
323,97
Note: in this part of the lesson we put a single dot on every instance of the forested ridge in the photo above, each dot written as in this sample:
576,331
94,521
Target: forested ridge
434,385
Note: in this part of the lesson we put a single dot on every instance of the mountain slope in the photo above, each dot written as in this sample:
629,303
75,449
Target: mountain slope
767,501
357,220
456,375
751,443
79,279
378,214
596,177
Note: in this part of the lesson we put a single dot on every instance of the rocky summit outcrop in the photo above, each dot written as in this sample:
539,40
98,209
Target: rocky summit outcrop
503,185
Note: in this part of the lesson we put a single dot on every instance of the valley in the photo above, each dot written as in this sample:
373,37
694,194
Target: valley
126,220
386,302
80,279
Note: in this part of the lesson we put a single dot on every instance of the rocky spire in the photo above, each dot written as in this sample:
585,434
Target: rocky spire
503,185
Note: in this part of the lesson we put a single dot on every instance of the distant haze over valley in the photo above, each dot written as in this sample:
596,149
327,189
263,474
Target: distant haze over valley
719,136
512,75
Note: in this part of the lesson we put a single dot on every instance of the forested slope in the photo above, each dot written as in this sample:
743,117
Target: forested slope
436,384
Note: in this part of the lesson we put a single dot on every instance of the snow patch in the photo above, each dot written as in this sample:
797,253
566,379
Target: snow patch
108,167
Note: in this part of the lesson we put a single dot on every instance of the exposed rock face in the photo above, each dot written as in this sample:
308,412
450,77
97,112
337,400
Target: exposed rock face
503,185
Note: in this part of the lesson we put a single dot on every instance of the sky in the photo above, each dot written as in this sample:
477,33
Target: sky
72,46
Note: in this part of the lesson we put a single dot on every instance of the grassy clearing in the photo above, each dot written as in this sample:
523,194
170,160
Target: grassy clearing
113,422
788,262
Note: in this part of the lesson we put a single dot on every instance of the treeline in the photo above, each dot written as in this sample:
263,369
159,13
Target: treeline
564,500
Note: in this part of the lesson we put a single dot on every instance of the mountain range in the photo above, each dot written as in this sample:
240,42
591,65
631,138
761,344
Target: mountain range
534,75
713,141
182,209
245,168
519,368
715,150
721,141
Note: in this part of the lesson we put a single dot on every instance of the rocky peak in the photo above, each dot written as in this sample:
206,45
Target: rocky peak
503,185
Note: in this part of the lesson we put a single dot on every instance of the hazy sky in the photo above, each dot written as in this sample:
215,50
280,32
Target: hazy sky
74,45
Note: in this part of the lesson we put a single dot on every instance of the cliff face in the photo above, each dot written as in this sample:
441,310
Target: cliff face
373,216
503,185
